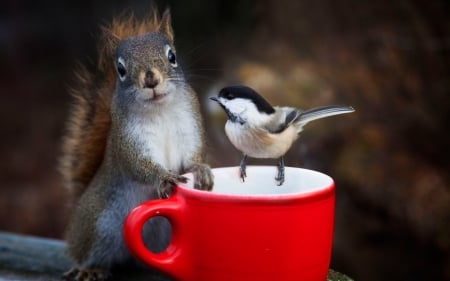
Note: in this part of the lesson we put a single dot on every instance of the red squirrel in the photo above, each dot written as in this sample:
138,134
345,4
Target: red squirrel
134,128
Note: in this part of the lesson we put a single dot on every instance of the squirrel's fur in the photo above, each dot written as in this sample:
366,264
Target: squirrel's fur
134,127
89,119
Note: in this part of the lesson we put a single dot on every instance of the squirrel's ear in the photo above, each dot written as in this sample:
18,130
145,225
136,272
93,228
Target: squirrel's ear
165,25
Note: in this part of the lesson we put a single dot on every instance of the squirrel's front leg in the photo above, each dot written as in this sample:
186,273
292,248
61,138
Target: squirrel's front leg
167,182
203,177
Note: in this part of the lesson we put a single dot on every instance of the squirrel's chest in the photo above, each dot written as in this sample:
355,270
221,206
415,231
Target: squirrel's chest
170,140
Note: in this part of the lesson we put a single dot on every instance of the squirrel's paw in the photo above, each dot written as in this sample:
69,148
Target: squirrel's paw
168,182
203,177
92,274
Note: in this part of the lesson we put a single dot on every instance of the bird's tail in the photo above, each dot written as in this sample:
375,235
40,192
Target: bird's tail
321,112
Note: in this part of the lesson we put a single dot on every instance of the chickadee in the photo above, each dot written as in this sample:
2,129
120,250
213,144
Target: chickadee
259,130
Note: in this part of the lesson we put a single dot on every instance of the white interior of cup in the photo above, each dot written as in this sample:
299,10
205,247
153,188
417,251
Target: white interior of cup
260,181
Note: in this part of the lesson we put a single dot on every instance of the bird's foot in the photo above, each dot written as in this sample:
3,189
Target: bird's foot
91,274
243,167
280,176
243,173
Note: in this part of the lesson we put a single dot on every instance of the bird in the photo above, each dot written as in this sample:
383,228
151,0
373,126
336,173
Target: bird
260,130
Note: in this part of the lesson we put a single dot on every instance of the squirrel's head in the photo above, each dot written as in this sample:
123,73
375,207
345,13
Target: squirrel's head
146,66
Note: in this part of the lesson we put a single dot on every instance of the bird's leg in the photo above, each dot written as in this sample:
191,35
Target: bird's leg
280,176
243,166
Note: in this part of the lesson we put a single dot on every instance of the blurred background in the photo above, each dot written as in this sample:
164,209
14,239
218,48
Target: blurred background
388,59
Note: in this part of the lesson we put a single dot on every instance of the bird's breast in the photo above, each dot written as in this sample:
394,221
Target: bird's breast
259,143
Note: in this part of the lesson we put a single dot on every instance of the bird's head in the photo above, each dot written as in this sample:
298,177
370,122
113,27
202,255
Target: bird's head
243,104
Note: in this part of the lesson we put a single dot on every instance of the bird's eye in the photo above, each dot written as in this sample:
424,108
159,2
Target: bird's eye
121,70
171,56
229,96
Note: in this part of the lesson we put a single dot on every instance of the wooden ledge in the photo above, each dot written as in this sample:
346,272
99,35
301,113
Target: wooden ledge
28,258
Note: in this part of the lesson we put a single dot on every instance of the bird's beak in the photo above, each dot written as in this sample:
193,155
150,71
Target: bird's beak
214,99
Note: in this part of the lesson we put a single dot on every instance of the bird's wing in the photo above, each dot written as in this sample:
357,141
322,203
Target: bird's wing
283,118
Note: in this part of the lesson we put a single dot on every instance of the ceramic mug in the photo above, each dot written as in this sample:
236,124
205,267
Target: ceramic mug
241,231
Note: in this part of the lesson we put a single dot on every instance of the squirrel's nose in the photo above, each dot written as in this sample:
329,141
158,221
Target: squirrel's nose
150,81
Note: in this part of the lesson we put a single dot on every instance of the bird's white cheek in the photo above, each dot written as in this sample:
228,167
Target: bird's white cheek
235,106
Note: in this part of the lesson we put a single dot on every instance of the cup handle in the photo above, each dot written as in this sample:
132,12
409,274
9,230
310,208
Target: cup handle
167,261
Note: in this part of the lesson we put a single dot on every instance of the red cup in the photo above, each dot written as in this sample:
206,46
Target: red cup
243,231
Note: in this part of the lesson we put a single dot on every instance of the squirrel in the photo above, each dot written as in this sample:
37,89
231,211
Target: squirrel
134,128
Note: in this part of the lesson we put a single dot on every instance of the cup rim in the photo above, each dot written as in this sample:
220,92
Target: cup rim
277,199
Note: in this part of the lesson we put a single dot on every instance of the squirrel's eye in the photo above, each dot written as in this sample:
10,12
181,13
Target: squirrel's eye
121,69
171,57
